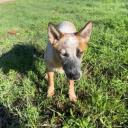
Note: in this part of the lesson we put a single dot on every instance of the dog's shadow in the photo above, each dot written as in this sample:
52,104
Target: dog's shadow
21,58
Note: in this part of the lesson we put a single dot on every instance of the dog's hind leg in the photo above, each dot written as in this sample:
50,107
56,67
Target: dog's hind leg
50,91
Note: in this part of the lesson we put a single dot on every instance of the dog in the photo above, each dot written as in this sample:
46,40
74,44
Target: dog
64,53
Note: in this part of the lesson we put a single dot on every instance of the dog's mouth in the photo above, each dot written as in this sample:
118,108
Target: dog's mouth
73,76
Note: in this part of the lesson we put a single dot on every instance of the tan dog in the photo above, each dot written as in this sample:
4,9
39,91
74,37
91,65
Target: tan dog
64,52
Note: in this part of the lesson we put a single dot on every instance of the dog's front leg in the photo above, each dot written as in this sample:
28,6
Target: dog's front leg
50,92
72,94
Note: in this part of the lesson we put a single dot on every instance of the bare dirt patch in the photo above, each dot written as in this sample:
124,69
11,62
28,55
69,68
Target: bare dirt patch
4,1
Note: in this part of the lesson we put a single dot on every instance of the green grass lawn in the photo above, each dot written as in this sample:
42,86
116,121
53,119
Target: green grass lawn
103,89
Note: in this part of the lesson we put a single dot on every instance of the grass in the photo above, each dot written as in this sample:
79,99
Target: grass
103,88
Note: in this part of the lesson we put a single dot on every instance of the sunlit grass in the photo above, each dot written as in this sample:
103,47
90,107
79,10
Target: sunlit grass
103,89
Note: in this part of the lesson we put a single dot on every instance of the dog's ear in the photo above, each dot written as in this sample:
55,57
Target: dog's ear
53,33
85,32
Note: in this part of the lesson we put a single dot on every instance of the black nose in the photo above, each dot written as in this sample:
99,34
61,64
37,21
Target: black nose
73,76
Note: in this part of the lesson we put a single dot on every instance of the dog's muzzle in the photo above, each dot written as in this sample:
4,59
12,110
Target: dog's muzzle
72,69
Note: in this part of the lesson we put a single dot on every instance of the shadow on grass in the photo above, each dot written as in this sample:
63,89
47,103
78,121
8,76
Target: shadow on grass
21,58
8,119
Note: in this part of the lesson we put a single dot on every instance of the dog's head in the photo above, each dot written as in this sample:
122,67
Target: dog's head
70,48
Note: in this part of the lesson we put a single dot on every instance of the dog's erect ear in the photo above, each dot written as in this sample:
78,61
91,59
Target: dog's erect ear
53,33
85,32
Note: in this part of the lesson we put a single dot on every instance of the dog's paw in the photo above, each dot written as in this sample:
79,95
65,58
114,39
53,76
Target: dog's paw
50,92
72,97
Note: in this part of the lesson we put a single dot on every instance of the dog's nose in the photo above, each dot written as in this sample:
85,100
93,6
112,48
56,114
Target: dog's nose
73,76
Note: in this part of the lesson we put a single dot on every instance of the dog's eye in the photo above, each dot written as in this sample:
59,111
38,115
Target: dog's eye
65,54
79,53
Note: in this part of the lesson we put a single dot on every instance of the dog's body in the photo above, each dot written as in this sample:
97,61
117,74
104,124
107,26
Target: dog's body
63,53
